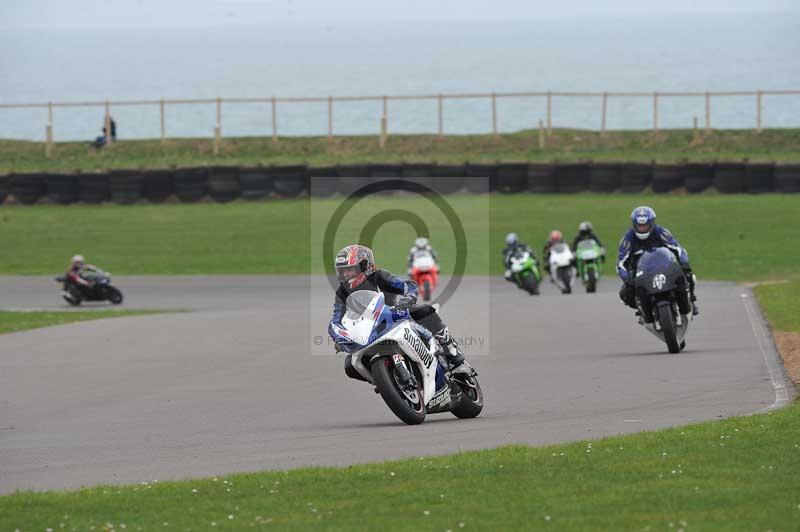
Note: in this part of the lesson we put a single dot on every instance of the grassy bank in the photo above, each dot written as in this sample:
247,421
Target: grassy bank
737,474
564,144
728,237
16,321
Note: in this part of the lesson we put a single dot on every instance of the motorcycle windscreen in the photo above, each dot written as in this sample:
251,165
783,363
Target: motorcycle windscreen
362,311
656,260
560,255
587,250
423,261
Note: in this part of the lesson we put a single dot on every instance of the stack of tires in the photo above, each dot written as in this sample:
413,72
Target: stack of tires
352,178
542,178
5,187
480,178
289,181
698,177
668,177
256,182
605,177
511,177
223,183
760,178
191,184
62,188
93,188
730,178
635,177
126,186
573,177
323,182
158,185
787,177
27,189
448,178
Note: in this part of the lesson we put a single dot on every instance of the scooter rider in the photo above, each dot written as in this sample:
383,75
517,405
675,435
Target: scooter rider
646,234
586,232
512,245
421,245
355,269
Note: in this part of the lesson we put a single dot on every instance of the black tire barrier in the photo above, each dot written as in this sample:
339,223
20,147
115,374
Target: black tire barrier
420,173
256,183
511,177
604,177
760,178
730,178
385,170
323,182
290,181
126,186
635,177
27,189
668,177
352,177
573,177
787,177
223,183
698,177
480,178
62,188
542,178
93,188
191,184
158,185
5,186
448,178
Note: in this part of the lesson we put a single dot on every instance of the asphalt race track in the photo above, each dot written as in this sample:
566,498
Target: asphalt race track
238,385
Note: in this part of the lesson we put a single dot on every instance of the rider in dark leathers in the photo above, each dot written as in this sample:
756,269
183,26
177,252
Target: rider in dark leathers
585,232
646,234
355,268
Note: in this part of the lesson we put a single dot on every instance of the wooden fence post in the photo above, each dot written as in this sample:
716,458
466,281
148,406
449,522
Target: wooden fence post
758,111
541,134
274,120
330,118
163,127
549,113
107,123
708,112
219,115
603,115
384,133
494,114
440,115
655,112
48,131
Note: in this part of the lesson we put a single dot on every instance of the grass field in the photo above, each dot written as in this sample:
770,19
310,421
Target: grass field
781,303
739,237
736,474
15,321
564,145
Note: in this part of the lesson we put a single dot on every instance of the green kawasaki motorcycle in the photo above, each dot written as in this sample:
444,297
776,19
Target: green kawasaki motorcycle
525,271
589,260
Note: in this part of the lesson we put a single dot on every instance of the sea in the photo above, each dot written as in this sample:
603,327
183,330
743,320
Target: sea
734,52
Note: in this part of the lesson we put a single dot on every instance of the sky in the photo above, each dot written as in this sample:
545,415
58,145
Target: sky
21,14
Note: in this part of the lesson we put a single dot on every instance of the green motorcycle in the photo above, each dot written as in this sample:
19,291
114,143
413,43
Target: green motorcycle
589,257
525,271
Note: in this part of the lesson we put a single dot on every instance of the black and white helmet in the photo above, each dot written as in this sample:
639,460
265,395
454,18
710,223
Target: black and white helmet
512,239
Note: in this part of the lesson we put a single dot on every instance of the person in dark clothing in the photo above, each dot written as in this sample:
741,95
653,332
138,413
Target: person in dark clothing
646,234
355,269
585,231
512,245
113,129
100,141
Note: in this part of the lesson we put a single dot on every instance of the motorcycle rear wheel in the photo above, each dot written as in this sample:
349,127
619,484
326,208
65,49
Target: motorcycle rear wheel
668,328
410,412
426,291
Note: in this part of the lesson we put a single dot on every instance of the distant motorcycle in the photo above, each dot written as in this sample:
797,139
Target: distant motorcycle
562,273
100,288
525,271
425,273
405,364
589,261
662,297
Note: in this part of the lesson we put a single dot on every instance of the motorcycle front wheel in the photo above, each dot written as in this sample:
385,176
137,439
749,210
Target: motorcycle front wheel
668,328
564,276
114,295
471,402
407,405
591,281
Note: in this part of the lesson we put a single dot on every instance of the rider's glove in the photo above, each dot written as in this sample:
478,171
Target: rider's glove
405,302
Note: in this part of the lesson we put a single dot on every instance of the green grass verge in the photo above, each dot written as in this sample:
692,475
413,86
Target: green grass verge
737,237
565,145
781,304
16,321
737,474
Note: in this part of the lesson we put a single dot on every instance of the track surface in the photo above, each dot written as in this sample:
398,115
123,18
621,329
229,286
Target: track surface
235,386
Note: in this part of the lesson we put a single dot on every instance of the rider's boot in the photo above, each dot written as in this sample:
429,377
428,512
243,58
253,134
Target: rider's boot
453,354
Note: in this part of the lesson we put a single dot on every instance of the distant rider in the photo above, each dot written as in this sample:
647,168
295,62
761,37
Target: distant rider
421,245
646,234
586,232
74,274
513,244
355,269
554,238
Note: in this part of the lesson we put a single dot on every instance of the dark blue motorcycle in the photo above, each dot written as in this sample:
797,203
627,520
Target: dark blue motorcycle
662,297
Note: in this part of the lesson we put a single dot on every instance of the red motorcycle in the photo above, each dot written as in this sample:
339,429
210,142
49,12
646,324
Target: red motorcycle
425,273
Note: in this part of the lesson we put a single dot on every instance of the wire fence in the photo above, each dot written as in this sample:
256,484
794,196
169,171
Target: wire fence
552,100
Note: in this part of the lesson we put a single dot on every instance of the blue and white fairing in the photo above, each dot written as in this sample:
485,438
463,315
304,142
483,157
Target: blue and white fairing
369,322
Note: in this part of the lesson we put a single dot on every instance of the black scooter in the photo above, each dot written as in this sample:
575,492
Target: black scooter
100,288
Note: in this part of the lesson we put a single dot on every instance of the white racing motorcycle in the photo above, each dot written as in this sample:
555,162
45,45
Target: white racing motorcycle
562,274
404,363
